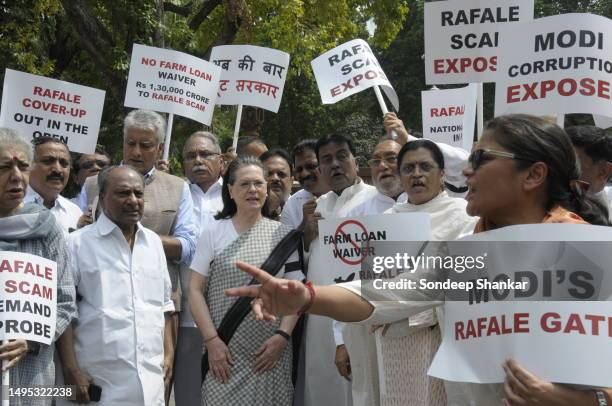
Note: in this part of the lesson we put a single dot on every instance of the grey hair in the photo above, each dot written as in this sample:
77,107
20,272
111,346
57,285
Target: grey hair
104,173
145,120
207,136
10,138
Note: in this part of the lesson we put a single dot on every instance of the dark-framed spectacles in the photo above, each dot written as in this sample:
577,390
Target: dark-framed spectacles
480,156
204,155
389,160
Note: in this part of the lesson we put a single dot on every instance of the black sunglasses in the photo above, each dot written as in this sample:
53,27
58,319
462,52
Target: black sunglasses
480,156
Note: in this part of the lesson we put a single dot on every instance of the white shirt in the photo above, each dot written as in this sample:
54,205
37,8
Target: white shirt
292,214
449,219
333,205
66,213
323,384
216,238
377,204
124,295
208,202
205,205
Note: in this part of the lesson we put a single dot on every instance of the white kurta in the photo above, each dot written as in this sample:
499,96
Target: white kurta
292,214
449,221
323,384
66,212
188,353
124,295
360,344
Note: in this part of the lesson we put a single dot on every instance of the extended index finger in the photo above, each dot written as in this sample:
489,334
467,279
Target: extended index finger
259,275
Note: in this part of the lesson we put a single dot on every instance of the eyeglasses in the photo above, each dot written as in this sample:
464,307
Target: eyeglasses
246,185
424,167
390,160
480,156
204,155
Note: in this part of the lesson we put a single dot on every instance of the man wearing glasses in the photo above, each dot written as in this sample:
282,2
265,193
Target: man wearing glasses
87,165
203,166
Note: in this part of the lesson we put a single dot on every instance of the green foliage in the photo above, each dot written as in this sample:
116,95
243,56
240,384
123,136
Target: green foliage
90,42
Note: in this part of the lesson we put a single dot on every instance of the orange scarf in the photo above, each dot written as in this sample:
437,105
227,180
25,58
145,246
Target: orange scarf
556,215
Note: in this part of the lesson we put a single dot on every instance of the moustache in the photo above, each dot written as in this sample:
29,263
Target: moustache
56,176
312,178
201,168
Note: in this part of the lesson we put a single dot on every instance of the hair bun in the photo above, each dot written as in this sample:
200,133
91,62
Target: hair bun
579,187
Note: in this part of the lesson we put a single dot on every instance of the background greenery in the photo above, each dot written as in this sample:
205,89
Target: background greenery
89,42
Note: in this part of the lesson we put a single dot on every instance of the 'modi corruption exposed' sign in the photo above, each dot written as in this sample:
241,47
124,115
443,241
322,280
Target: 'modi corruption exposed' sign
564,65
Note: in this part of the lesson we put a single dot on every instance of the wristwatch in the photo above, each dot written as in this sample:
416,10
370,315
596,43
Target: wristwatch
602,400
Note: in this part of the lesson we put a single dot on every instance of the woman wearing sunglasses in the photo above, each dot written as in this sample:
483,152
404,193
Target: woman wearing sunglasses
523,171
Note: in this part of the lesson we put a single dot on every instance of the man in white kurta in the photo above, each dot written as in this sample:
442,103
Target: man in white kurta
203,166
354,342
323,384
123,294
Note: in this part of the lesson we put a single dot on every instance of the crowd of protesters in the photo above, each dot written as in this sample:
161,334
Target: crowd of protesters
144,259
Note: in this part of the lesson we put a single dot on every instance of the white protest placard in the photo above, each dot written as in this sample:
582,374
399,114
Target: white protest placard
349,69
28,303
172,82
462,37
448,115
602,121
344,242
251,75
564,308
37,106
562,66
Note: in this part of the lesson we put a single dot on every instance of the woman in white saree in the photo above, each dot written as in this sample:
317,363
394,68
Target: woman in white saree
408,346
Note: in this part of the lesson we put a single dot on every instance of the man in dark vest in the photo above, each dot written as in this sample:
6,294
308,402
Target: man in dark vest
168,206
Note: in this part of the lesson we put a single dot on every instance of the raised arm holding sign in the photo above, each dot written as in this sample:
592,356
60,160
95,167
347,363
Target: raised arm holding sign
349,69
